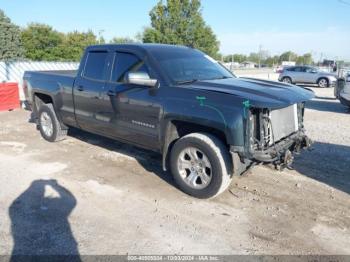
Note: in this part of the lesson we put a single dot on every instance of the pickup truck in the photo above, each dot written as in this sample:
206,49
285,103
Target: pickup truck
208,124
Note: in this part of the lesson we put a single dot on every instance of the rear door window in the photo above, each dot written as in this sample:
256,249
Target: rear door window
124,63
96,65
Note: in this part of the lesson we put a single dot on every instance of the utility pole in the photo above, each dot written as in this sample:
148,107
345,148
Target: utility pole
232,60
260,49
100,33
321,56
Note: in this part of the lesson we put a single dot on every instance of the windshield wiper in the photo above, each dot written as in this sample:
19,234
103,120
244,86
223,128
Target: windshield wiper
221,77
190,81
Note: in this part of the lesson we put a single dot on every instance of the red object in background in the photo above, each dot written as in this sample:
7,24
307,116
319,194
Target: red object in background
9,96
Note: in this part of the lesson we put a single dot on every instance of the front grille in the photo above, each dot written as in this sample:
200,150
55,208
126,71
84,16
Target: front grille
267,127
284,122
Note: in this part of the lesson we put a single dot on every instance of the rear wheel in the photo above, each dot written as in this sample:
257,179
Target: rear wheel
49,126
200,164
323,82
287,80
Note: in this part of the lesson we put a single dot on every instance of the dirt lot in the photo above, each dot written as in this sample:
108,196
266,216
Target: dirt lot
91,195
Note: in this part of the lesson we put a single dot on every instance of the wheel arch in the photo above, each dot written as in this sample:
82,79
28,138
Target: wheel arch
43,98
323,77
176,129
287,76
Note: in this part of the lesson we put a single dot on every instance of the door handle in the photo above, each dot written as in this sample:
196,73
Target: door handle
110,93
80,88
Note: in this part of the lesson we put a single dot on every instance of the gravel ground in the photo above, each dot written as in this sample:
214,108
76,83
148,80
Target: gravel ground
90,195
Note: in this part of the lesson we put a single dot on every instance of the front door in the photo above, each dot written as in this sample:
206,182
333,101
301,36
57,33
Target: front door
135,110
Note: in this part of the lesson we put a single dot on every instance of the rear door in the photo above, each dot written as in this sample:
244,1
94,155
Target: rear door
89,89
296,74
310,74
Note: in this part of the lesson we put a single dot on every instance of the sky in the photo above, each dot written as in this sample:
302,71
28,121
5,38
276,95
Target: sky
321,27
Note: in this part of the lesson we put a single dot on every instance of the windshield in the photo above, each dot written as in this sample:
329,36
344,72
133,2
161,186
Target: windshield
187,65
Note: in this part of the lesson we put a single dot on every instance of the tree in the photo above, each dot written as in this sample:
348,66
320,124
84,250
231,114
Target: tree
288,56
239,58
308,59
254,57
41,42
305,59
181,22
10,39
272,60
122,40
74,44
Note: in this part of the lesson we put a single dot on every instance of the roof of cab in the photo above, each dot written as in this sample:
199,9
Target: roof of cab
138,47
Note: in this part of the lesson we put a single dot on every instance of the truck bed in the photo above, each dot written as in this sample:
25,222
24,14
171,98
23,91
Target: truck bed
58,82
71,73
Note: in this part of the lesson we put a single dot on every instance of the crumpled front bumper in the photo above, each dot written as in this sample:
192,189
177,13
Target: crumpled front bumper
277,153
280,154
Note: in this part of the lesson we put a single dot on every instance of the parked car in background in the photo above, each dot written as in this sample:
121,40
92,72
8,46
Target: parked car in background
307,75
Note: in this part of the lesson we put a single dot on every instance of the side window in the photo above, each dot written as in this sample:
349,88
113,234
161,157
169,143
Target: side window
124,63
308,69
96,65
292,69
298,69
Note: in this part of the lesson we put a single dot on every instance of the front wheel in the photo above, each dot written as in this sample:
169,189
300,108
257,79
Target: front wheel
287,80
200,164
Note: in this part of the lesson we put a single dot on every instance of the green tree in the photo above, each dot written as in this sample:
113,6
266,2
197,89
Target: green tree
10,39
181,22
122,40
288,56
239,58
254,57
41,42
272,60
305,59
308,59
74,44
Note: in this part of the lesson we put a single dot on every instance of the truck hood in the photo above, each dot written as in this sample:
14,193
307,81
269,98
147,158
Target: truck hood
260,93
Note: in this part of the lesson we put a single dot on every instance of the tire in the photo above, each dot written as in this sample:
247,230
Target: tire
323,82
287,80
49,126
206,148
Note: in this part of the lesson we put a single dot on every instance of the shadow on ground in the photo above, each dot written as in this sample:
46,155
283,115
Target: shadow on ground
327,104
150,161
326,163
39,222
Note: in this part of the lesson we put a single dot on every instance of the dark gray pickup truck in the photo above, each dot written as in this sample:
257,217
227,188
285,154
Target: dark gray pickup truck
207,123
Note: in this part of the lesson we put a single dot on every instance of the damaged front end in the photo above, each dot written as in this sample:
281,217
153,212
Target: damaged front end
273,136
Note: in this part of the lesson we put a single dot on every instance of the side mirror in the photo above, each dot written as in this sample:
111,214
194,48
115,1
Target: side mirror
140,78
